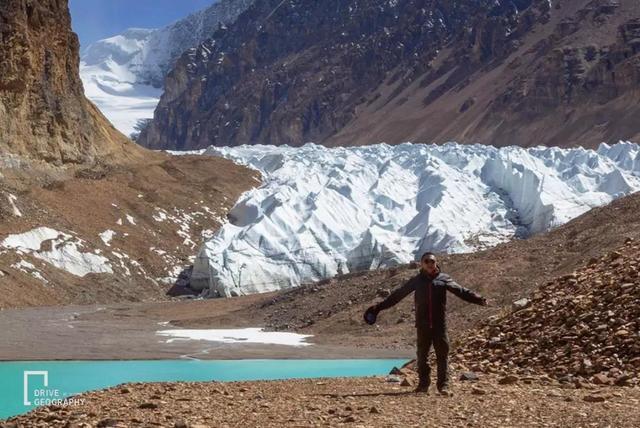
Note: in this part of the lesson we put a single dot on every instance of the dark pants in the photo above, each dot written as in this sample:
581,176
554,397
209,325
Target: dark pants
440,342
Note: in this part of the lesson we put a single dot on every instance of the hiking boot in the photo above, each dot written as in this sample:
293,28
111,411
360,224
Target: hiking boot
444,390
422,387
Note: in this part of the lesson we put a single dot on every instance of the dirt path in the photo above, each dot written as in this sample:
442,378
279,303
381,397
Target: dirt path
362,402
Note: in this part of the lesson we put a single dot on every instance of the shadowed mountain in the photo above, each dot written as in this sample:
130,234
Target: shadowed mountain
522,72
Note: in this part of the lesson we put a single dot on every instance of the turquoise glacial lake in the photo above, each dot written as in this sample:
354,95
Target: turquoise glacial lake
26,385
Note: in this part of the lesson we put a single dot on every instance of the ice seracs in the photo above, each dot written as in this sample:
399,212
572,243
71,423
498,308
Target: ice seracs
323,211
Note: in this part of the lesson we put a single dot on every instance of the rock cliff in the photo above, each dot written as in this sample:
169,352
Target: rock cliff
43,112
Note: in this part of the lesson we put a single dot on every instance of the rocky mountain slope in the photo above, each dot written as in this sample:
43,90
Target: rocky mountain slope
584,324
124,74
120,233
561,72
86,215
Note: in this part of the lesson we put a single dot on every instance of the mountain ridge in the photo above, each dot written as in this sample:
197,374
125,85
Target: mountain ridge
508,72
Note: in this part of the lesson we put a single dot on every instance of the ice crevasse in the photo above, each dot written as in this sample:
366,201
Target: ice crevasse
326,211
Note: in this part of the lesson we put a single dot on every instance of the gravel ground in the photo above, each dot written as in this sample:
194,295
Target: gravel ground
357,402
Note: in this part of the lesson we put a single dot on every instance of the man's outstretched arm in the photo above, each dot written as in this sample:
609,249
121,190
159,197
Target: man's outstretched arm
464,293
396,296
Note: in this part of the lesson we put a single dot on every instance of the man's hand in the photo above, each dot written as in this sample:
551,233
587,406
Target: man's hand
370,315
484,302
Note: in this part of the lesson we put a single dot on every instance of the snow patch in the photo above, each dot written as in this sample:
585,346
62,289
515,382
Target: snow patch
324,211
12,201
243,335
29,268
107,236
207,234
58,249
31,240
160,215
184,221
23,265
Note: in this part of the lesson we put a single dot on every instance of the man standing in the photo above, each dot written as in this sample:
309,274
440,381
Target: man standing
430,288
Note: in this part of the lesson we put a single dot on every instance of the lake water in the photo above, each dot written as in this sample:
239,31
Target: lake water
23,387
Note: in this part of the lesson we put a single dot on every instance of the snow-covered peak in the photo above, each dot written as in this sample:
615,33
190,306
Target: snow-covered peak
124,74
121,48
323,211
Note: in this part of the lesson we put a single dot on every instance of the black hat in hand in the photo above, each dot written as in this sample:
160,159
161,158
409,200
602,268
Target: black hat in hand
370,315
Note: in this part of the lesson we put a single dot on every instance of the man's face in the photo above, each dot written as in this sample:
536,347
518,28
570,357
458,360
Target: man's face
428,264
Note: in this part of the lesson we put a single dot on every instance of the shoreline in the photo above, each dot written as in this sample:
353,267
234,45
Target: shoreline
27,384
320,358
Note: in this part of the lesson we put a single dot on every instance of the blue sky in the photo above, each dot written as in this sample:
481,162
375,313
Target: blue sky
96,19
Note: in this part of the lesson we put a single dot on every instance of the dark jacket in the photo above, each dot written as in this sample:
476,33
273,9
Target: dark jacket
430,299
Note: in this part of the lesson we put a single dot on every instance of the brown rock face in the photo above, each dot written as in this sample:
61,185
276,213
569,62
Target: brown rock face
43,112
522,72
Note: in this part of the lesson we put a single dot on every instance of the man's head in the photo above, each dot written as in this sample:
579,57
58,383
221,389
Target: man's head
429,263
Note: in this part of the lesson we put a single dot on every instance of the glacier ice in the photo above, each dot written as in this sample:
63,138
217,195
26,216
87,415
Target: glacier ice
324,211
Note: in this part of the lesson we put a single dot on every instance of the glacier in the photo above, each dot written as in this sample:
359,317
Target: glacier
326,211
124,74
